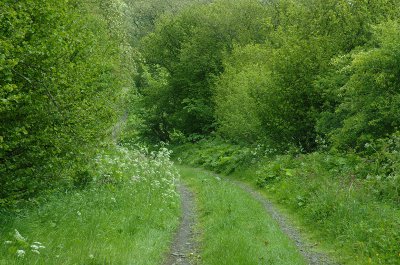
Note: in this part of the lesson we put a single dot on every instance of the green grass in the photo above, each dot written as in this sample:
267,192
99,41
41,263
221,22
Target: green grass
99,226
235,228
128,222
341,214
345,202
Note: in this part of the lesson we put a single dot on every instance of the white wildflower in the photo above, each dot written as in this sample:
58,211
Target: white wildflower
20,253
34,247
35,251
113,200
37,245
8,242
18,236
78,213
91,256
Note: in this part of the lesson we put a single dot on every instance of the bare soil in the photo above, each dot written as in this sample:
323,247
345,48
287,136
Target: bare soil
184,249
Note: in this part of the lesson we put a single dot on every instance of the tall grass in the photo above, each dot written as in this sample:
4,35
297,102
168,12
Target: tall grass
343,209
125,215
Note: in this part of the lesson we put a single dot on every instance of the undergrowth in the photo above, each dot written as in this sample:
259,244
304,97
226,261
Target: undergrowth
217,155
350,201
125,212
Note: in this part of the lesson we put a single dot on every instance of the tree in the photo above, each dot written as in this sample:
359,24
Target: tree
63,79
191,47
368,108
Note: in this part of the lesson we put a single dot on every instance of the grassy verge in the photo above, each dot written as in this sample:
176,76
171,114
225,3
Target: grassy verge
235,228
343,201
126,216
339,209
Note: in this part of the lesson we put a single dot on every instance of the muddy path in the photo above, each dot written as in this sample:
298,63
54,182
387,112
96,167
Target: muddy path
311,256
184,249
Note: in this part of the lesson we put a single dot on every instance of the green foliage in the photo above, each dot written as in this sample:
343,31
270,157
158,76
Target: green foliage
258,99
273,92
143,14
190,46
267,76
285,73
368,108
238,94
216,155
64,74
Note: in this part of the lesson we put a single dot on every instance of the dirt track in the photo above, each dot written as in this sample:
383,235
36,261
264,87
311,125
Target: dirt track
184,250
184,247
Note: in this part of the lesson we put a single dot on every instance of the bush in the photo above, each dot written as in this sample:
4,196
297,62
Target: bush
216,155
369,98
63,83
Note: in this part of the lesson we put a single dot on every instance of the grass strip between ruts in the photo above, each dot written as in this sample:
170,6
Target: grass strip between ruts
234,227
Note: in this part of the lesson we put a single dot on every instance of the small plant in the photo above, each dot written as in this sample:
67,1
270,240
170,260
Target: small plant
21,247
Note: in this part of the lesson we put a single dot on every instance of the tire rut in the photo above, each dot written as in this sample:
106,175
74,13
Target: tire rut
312,257
184,248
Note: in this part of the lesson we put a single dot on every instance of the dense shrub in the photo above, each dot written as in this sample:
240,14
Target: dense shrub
65,68
216,155
184,54
368,107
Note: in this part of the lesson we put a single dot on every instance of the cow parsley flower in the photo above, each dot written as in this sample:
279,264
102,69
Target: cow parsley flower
20,253
18,236
34,247
38,245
